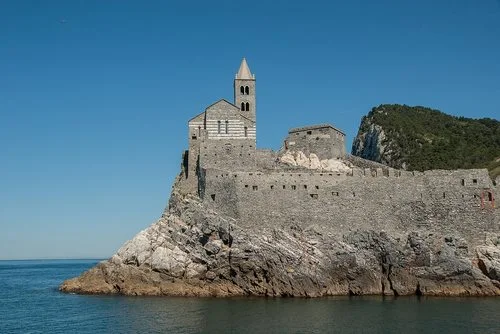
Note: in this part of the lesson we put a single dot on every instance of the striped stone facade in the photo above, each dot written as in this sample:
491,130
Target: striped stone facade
224,135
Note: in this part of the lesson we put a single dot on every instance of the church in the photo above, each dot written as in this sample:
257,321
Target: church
223,136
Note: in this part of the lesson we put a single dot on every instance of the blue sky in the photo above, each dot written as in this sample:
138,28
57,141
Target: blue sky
95,95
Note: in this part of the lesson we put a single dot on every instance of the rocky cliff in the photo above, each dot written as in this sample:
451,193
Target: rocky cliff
419,138
194,251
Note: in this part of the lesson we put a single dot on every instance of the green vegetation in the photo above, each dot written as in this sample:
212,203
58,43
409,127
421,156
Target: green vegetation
494,168
424,138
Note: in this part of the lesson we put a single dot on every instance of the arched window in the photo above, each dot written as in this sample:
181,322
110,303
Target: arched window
242,106
246,131
247,90
227,127
247,107
242,90
218,126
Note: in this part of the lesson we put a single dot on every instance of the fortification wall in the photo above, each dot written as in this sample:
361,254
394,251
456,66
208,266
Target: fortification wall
445,201
231,154
364,163
266,159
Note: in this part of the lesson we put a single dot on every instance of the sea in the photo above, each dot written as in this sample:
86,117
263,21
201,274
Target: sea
31,303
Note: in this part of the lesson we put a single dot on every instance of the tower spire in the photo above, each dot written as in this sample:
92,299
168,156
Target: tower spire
244,71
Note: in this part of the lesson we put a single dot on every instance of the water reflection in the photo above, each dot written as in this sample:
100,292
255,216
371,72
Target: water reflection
296,315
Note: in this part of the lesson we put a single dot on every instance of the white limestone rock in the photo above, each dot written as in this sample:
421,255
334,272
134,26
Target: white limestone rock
288,158
137,250
489,261
195,270
301,159
172,262
298,158
314,162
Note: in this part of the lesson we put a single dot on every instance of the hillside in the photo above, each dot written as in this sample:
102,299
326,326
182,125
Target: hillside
420,138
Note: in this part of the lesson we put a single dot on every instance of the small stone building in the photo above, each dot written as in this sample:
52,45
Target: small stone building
323,140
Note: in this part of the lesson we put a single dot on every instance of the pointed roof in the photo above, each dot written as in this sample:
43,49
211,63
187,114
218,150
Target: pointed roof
244,71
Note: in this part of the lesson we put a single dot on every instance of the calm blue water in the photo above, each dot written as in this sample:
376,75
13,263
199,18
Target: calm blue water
31,303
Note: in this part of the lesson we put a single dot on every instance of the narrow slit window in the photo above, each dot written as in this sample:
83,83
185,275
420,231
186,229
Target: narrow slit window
227,127
218,126
246,131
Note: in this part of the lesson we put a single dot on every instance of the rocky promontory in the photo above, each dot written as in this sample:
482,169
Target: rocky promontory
193,251
420,138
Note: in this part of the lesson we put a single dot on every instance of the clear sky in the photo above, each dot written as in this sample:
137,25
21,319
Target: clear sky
95,95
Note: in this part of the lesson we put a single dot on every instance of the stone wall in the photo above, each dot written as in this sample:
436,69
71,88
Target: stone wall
364,163
323,140
445,201
230,154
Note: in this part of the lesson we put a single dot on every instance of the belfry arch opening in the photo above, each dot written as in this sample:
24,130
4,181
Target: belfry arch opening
247,90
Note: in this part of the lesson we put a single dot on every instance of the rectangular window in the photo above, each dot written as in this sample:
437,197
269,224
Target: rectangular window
246,131
218,126
255,187
474,181
227,127
294,187
314,196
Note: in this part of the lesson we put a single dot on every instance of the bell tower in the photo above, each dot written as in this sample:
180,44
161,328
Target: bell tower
244,91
